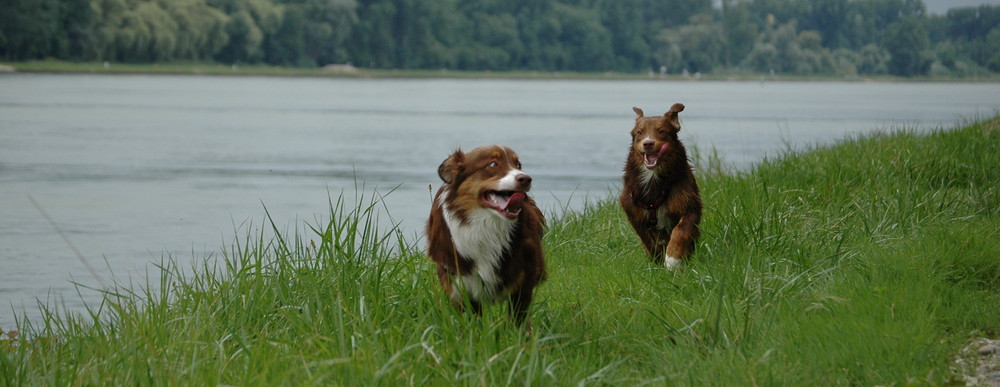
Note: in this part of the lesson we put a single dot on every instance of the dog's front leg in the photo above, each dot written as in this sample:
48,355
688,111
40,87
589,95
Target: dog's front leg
517,308
638,219
682,239
460,301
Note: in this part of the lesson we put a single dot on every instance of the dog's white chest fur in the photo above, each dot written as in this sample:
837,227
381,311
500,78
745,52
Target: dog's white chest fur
647,177
482,239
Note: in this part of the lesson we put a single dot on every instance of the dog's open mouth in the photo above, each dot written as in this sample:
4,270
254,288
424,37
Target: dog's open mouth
507,203
651,159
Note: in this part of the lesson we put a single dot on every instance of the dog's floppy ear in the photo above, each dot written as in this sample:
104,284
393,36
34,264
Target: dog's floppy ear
449,168
638,112
671,115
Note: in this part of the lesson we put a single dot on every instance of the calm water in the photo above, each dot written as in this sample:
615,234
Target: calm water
134,168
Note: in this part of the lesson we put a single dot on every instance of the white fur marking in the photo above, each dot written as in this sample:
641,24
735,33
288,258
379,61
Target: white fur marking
509,181
482,239
646,176
472,286
671,263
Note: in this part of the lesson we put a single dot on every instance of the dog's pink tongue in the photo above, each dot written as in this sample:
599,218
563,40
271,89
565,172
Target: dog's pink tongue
663,149
515,201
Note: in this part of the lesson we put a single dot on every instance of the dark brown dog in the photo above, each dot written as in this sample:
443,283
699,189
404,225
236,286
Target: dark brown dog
484,232
660,196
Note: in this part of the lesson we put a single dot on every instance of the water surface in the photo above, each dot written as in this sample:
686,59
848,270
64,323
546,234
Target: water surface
133,168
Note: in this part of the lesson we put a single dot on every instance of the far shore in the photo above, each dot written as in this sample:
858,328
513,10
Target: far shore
350,71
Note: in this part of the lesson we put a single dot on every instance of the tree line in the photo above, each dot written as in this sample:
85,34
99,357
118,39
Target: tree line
847,37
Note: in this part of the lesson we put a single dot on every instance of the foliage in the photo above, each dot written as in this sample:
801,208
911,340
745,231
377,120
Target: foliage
694,47
907,43
788,36
782,50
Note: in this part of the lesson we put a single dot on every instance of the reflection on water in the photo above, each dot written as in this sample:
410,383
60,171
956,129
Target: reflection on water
134,168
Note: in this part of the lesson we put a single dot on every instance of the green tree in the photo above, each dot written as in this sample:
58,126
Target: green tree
244,42
770,13
372,43
28,28
328,27
201,29
106,27
287,46
632,26
448,38
992,42
775,50
249,21
695,47
162,29
584,40
784,50
497,41
631,50
872,60
540,28
740,31
969,29
145,32
830,19
907,44
813,58
75,40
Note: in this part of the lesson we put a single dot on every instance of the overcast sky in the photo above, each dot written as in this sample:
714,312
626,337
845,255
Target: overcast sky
933,6
941,6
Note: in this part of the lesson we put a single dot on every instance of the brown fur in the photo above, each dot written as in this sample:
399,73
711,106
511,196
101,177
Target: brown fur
664,211
521,265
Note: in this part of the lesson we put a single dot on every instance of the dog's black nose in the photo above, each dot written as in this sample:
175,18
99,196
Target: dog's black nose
523,179
648,144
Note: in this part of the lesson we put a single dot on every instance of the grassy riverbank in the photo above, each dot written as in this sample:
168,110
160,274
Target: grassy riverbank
181,68
870,262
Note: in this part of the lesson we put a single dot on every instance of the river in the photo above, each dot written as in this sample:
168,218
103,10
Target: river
134,168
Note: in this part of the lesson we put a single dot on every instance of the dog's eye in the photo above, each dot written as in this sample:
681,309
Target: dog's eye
493,164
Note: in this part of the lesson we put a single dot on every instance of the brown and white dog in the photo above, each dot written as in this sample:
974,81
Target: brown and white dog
659,194
485,233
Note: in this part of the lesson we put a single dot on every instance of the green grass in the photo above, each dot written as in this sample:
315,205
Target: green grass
871,262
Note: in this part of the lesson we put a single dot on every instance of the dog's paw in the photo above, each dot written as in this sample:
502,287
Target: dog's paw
671,263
